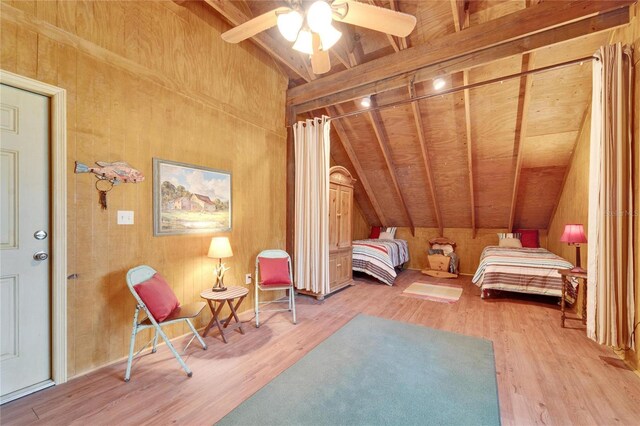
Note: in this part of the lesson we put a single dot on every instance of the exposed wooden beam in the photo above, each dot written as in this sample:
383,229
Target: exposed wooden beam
417,117
512,34
280,51
381,137
522,120
467,121
460,12
360,173
592,25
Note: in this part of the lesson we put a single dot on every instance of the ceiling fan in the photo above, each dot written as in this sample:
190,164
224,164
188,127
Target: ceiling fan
311,29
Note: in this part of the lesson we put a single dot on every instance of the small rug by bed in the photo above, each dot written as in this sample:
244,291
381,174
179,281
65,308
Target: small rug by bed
375,371
440,292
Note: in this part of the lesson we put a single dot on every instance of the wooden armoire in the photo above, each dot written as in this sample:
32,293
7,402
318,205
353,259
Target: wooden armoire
340,227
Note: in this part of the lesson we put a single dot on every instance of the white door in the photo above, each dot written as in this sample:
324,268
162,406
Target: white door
25,319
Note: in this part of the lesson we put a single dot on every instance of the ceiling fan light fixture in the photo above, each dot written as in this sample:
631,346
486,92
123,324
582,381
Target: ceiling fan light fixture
439,83
289,24
329,37
304,42
319,16
366,101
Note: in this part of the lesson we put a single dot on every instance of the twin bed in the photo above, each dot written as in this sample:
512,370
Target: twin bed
380,258
521,270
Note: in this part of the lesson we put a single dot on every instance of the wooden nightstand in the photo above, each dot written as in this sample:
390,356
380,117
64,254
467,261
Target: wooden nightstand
566,275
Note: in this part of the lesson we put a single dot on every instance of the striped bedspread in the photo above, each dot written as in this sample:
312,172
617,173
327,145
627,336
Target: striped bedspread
522,270
379,258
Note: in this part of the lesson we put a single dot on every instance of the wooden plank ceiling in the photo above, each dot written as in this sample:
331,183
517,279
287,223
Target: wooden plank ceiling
494,156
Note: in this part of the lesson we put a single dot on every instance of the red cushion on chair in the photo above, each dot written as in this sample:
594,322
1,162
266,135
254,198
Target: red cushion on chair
529,237
375,232
158,296
274,271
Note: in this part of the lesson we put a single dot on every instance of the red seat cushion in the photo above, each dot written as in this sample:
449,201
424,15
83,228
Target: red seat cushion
529,237
158,296
274,271
375,232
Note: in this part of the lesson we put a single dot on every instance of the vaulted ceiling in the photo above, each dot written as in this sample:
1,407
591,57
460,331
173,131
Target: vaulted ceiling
491,156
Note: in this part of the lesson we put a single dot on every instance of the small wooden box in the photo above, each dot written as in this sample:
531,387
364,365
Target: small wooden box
439,262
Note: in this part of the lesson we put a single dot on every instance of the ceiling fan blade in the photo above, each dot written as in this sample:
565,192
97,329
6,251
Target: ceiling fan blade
254,26
373,17
320,62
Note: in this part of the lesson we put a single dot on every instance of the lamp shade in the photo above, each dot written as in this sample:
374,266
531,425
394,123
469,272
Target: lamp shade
220,248
573,234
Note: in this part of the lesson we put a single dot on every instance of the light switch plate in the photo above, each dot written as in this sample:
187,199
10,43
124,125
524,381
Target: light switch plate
247,279
125,217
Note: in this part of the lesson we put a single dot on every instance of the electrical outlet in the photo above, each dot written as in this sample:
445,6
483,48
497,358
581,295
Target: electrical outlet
247,279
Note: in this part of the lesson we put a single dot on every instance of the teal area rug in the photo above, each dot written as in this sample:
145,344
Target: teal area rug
375,371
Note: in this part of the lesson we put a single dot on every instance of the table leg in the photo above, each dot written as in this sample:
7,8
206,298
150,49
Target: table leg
562,302
234,314
214,320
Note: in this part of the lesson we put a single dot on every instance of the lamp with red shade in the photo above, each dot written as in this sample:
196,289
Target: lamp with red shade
574,235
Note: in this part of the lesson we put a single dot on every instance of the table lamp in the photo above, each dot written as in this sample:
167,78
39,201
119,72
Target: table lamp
574,235
219,248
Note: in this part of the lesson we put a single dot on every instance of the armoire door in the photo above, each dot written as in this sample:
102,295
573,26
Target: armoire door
344,216
333,217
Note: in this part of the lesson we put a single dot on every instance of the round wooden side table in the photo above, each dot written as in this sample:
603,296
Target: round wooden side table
220,298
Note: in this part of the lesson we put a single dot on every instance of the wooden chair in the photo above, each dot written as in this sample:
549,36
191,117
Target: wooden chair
184,313
260,286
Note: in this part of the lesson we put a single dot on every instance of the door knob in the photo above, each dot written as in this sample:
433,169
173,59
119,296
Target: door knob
40,255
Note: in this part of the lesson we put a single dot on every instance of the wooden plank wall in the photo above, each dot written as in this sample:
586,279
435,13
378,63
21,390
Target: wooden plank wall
151,79
468,247
359,225
573,204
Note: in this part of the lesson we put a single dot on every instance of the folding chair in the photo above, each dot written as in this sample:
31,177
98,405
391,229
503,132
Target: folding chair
261,286
184,313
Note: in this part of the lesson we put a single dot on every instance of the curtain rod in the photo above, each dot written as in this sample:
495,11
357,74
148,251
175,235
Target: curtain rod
468,86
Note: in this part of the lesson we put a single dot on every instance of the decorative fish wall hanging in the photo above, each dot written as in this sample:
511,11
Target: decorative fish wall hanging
110,174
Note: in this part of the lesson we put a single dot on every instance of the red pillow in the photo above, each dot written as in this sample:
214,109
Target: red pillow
158,296
375,232
529,237
274,271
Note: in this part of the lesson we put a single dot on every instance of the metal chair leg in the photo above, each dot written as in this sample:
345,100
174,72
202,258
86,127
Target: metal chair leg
173,351
293,304
134,331
257,308
195,333
155,342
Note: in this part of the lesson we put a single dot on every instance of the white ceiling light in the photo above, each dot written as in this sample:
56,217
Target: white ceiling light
319,16
304,44
289,24
366,101
329,36
439,83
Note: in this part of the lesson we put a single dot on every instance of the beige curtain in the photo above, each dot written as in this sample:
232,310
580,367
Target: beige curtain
311,256
611,301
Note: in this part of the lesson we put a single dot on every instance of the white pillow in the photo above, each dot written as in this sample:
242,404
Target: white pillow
446,248
510,242
385,236
392,231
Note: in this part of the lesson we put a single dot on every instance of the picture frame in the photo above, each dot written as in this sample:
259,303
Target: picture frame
190,199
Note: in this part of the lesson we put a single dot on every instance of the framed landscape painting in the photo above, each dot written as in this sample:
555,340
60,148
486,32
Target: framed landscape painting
190,199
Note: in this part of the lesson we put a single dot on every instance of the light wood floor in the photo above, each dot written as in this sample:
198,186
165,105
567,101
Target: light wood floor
546,374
